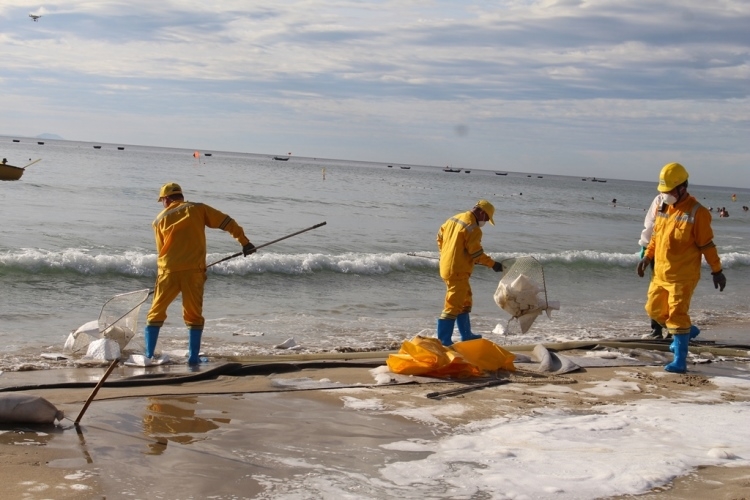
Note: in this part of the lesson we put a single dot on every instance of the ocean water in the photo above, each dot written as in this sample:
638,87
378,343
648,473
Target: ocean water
77,231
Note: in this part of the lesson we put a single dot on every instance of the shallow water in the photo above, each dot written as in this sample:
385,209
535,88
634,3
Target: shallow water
77,232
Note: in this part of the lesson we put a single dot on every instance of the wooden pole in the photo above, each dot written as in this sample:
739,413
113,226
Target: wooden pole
96,389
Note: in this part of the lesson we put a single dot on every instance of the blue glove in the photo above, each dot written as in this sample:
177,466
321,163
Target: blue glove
643,252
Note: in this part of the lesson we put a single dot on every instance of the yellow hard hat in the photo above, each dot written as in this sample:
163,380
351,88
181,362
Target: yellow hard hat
169,189
488,209
671,176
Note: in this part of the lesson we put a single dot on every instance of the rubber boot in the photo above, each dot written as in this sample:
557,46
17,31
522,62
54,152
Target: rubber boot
679,365
150,336
464,327
694,332
194,346
657,331
445,331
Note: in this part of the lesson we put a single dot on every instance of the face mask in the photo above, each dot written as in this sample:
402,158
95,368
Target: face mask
670,199
481,223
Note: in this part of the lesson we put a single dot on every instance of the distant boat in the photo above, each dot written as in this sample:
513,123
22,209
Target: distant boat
390,166
406,168
501,173
583,179
16,140
281,158
10,173
540,176
467,171
120,148
41,143
448,169
207,154
97,147
528,176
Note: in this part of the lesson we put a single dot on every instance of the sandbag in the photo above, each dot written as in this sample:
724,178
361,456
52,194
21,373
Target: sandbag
20,408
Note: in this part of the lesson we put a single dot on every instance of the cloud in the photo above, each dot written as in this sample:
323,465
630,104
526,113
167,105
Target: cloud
570,69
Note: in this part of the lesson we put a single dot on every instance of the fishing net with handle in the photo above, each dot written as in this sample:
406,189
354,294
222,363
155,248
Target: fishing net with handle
522,293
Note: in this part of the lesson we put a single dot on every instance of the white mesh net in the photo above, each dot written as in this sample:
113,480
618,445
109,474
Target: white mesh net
522,293
118,320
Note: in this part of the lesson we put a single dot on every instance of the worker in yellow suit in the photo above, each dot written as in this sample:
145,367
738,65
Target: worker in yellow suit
459,241
181,260
682,235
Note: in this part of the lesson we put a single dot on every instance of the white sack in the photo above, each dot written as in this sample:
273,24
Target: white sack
19,408
104,350
79,339
120,335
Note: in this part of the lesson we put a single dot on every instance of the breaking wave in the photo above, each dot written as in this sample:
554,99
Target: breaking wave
132,263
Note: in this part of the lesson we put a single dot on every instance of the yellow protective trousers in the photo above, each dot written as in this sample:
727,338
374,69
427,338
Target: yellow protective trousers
458,298
668,304
168,286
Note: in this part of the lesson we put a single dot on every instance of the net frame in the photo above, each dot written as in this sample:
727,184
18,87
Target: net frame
530,267
118,319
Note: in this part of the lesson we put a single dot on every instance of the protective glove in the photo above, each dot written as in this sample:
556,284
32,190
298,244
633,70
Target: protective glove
643,252
642,266
248,249
720,281
497,267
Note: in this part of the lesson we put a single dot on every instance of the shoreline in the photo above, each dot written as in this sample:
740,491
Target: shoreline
332,429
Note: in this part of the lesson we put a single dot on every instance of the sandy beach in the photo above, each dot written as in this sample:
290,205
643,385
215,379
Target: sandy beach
338,431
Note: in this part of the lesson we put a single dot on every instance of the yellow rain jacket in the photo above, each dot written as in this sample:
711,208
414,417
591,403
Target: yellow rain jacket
185,222
682,234
460,243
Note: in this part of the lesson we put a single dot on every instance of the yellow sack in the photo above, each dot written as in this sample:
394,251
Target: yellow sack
430,358
486,355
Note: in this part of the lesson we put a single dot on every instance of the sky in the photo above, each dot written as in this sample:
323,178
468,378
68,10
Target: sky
607,88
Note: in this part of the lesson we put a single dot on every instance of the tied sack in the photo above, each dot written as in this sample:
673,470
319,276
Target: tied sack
520,299
20,408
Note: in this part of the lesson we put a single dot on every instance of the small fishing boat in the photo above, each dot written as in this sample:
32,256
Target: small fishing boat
41,143
207,154
467,171
406,168
390,166
16,140
448,169
120,148
97,147
281,158
501,173
10,173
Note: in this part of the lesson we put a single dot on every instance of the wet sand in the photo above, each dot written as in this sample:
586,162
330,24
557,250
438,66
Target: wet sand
265,435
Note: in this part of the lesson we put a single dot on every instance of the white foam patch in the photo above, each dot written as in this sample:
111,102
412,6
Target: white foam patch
362,404
430,415
620,449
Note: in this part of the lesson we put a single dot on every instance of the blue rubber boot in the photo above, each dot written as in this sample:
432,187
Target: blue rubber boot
464,327
445,331
679,365
150,336
194,346
694,332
